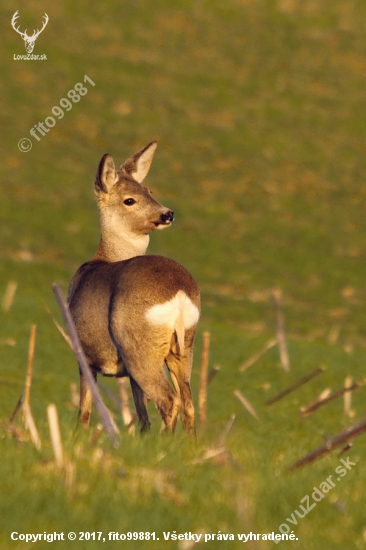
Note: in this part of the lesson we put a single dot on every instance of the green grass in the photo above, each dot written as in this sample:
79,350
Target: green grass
258,109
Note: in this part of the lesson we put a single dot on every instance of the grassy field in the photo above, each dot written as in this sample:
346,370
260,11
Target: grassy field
258,107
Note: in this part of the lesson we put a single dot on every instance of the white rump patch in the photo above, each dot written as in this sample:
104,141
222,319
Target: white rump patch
168,313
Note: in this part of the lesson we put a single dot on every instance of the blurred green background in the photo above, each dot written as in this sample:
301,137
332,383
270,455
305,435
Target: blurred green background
258,108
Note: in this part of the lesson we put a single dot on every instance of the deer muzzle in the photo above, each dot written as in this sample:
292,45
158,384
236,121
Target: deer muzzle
165,220
167,217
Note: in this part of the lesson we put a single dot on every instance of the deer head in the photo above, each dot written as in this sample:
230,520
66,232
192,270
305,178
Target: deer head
29,41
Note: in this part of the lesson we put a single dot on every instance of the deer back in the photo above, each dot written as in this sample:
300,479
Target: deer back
139,293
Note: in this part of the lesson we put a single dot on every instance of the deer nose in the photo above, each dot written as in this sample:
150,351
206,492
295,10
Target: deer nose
167,217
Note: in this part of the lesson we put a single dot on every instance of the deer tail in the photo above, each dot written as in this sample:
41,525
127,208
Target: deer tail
180,330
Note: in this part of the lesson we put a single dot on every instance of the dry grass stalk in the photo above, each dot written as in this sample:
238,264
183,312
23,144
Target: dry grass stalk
334,334
218,454
346,448
9,295
297,384
209,454
55,434
223,436
11,427
331,444
110,394
246,404
202,397
63,333
27,413
212,373
130,426
281,337
254,358
8,342
29,420
347,398
323,395
15,412
108,422
28,380
306,411
125,405
75,395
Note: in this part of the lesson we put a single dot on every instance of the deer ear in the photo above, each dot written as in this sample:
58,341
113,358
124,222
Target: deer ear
106,176
139,165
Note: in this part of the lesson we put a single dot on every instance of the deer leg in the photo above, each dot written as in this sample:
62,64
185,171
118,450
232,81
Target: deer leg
153,384
86,400
180,367
185,393
149,381
141,406
168,404
144,358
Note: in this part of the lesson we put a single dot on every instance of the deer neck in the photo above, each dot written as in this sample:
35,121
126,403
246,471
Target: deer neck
117,243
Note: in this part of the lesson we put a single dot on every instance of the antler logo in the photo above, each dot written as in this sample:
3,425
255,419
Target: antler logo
29,41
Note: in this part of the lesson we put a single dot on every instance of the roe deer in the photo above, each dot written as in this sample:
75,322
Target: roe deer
135,312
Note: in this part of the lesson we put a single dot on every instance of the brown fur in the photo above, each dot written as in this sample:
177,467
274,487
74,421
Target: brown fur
110,295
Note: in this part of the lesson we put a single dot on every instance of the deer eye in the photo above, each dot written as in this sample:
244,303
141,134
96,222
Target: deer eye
129,202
